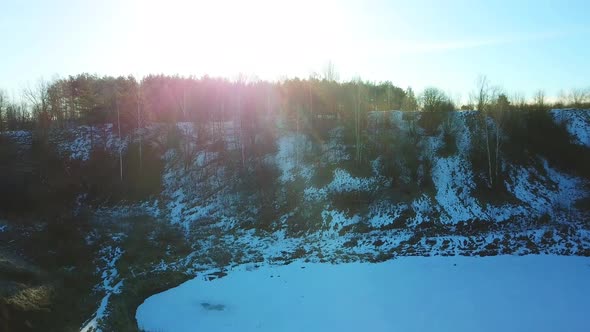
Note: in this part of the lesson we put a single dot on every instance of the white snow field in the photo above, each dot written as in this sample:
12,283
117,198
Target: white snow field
500,293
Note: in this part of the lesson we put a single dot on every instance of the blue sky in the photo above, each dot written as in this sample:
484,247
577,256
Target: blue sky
521,46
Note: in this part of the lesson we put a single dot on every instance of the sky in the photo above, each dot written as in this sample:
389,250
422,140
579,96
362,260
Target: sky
521,46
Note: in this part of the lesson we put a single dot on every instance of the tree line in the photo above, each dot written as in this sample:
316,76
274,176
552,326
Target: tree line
130,103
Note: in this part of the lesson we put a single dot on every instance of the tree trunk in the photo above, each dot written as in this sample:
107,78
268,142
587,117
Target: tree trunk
297,139
91,137
120,140
241,130
485,125
139,126
311,105
497,149
357,125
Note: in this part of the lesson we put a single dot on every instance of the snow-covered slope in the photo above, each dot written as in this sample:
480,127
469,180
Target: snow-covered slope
537,213
577,123
77,143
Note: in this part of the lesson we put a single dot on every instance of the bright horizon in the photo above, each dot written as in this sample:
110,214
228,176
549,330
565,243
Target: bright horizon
521,47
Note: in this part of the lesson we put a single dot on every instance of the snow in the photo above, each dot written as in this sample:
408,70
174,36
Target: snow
527,187
384,213
289,156
423,208
502,293
314,194
568,190
335,219
577,123
22,137
109,275
344,182
187,129
553,194
462,130
83,138
139,209
454,182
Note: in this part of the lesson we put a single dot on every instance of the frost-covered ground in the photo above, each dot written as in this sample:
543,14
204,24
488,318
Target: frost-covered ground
503,293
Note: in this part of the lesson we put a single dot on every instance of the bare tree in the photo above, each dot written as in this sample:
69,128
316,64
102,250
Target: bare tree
491,104
409,103
38,98
499,110
240,110
358,101
186,145
3,105
518,100
330,74
435,100
120,138
577,97
562,99
139,125
539,99
309,83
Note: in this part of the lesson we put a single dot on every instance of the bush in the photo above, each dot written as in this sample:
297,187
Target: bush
220,256
535,133
123,306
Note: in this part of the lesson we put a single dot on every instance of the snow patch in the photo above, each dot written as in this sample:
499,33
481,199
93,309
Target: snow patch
109,276
289,156
334,219
423,208
21,137
453,180
79,141
344,182
384,213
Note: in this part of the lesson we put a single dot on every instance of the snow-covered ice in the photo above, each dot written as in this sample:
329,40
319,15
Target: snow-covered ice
501,293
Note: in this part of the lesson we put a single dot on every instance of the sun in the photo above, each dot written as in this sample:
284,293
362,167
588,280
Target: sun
225,38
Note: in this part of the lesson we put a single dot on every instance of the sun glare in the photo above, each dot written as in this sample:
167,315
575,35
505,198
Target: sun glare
268,38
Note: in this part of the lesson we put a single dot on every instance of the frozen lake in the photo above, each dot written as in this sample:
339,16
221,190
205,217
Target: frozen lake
502,293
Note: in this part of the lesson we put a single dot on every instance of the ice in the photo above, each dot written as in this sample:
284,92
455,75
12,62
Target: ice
502,293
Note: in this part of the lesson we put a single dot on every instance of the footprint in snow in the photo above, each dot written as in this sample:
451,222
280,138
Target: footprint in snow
213,307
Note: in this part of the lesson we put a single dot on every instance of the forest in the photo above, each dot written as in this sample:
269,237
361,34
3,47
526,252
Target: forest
87,99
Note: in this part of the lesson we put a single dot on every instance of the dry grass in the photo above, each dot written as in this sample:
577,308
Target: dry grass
32,298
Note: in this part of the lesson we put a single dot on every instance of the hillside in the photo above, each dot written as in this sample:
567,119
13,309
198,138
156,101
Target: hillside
418,184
